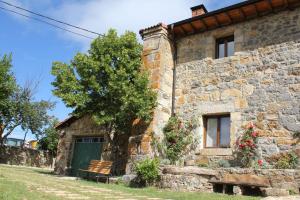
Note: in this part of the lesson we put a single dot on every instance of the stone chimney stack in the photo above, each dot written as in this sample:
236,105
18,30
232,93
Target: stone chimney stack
157,59
198,10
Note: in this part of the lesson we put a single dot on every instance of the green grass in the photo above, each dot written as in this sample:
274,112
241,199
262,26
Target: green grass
154,192
11,190
23,183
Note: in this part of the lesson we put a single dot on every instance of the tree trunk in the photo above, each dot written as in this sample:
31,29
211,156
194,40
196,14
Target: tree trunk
1,135
24,139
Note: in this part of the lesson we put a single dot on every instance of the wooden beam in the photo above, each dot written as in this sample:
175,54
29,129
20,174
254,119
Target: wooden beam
288,5
204,24
242,13
193,27
228,16
217,21
182,29
255,8
270,5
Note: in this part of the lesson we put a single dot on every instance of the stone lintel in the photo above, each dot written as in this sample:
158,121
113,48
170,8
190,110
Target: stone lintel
216,152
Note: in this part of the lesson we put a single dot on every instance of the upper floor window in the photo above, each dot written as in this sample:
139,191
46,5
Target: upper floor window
217,131
225,47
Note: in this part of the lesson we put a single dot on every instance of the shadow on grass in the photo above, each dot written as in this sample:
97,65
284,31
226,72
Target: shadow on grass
45,172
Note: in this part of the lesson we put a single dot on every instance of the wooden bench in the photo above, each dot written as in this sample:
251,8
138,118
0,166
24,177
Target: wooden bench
100,168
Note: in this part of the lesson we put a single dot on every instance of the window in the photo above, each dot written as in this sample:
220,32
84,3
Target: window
217,131
225,47
90,140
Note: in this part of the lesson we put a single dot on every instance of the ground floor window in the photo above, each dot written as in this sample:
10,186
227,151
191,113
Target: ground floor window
217,131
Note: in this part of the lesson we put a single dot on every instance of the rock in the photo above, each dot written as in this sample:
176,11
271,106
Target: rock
275,192
237,190
128,178
202,160
189,163
188,170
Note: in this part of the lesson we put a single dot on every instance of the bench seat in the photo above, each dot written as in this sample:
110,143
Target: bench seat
100,168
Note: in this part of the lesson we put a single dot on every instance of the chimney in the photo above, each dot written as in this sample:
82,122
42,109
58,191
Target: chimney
198,10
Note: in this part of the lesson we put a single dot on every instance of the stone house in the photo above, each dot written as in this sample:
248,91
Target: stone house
225,68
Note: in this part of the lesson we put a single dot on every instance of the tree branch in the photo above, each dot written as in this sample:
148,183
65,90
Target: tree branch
10,131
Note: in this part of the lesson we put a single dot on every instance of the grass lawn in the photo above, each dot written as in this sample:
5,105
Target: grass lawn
22,183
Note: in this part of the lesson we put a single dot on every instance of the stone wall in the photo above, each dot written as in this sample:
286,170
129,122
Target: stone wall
85,127
26,157
260,83
273,182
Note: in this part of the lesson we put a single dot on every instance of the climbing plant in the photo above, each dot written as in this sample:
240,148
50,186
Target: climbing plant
247,147
177,138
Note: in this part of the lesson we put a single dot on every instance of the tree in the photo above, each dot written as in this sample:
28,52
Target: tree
49,140
107,83
17,105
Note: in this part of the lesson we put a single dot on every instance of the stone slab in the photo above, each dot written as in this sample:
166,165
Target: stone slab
188,170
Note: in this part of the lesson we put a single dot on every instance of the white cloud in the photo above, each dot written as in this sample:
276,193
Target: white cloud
101,15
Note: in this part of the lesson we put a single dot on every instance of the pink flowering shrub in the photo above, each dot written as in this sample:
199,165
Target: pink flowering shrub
247,147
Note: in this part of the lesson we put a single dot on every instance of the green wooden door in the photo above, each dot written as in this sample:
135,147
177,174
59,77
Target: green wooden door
85,150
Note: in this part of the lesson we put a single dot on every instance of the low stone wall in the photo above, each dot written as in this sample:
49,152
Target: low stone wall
26,157
271,182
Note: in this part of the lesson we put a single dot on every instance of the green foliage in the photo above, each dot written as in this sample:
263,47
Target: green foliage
247,147
287,161
119,181
50,138
178,136
292,192
148,170
107,82
296,134
224,164
203,165
7,80
17,105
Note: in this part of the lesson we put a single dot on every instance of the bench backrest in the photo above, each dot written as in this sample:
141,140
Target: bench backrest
98,166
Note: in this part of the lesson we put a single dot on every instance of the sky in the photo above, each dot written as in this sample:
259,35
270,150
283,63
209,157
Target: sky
35,46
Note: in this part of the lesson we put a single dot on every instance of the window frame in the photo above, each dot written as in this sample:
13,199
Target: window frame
90,139
205,122
224,40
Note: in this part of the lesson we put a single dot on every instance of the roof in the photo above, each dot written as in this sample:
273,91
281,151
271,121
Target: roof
66,122
231,15
152,27
15,139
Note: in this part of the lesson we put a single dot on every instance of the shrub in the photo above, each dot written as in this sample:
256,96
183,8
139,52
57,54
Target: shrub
287,161
147,170
247,147
224,163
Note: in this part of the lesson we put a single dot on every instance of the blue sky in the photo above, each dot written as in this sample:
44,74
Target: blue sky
34,45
